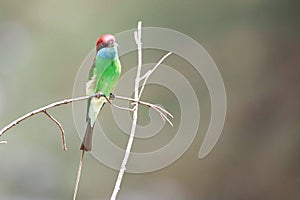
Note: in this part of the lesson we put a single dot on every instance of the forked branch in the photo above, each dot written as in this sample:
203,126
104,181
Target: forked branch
165,115
44,109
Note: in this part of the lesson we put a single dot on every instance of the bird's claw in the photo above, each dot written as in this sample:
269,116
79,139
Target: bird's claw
98,96
112,96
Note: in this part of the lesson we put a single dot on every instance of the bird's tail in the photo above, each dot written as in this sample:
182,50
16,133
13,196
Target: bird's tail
87,140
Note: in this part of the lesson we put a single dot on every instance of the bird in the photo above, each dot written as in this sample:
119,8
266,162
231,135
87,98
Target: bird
103,77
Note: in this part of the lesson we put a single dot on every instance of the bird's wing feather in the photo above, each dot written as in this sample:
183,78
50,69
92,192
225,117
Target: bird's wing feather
96,71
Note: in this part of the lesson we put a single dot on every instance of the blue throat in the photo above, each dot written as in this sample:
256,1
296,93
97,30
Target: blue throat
108,53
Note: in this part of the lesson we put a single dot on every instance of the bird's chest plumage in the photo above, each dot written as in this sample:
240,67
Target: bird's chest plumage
103,75
108,78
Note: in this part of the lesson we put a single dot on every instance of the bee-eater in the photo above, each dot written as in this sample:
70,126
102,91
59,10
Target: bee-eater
103,76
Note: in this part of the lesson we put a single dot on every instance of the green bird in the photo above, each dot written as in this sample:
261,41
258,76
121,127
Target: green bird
103,76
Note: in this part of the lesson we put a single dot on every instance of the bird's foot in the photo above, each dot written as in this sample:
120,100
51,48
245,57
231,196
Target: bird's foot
112,96
99,95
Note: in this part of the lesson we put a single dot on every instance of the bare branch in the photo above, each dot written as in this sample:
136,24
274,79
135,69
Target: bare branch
78,175
149,72
67,101
42,109
64,145
123,108
138,40
136,101
163,113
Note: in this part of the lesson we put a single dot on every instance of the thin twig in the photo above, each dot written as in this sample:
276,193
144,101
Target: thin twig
64,145
123,108
42,109
162,115
78,175
150,105
149,72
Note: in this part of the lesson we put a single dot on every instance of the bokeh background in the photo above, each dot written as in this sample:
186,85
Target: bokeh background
256,46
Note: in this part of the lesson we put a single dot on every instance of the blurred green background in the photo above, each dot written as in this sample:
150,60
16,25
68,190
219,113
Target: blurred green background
256,46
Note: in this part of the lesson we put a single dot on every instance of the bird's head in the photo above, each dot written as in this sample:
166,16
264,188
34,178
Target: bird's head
106,40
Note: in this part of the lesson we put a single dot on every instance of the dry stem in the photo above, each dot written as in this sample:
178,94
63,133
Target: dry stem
44,109
136,101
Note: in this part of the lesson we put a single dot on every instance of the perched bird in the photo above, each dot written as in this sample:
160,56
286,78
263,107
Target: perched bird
103,76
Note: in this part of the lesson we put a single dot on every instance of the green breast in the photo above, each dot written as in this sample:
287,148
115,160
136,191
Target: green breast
108,76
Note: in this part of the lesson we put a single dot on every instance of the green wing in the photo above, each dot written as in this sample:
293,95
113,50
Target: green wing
95,73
